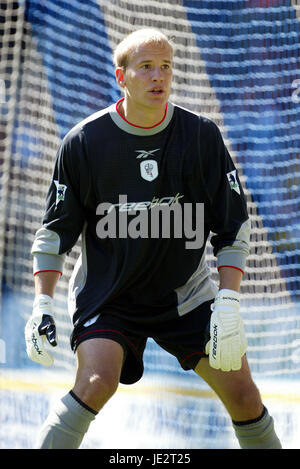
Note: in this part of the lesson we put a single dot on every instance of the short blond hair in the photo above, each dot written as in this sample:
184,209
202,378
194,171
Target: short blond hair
131,42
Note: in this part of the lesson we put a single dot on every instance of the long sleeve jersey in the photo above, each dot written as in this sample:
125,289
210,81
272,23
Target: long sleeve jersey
109,176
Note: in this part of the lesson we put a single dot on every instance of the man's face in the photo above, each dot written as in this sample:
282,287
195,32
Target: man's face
148,76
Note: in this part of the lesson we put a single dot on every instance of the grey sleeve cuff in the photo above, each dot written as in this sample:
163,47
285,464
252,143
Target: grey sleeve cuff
230,257
42,262
236,254
45,251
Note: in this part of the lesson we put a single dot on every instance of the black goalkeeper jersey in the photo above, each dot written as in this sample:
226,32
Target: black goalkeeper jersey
107,167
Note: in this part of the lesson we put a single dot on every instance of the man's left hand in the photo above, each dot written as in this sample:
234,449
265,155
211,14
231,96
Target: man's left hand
227,342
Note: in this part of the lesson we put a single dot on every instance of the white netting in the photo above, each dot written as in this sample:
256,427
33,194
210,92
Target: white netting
236,62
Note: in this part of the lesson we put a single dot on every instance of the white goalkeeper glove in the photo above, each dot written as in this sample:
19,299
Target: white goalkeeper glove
228,341
40,330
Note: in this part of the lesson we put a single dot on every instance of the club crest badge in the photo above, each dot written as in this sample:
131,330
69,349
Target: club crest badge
149,170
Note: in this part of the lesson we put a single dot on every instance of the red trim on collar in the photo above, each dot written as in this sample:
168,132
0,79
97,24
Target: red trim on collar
139,126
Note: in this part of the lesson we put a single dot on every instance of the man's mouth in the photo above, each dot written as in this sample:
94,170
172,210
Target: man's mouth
156,91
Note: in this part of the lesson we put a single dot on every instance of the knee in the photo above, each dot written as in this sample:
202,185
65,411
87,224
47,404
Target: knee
246,396
95,389
104,385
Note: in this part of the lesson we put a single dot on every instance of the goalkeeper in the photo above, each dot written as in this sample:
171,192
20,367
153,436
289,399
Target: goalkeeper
125,289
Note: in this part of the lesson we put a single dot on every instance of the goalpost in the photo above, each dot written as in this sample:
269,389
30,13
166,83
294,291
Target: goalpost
236,63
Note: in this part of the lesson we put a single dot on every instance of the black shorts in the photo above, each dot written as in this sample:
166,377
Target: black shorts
184,337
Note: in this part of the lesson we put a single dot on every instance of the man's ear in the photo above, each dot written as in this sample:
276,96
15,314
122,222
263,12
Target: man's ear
120,76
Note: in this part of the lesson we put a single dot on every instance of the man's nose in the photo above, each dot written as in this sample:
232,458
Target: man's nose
157,74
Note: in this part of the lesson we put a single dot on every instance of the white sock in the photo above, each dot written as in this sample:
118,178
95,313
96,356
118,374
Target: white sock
66,424
258,433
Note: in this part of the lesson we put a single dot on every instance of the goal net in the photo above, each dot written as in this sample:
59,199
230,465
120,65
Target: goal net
236,62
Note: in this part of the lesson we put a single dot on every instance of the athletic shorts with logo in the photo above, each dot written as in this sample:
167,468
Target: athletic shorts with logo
184,337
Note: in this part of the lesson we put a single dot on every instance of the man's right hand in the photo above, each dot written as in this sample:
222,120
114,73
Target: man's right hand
40,330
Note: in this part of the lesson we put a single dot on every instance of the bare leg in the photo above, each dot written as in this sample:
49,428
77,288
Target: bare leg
98,374
253,426
99,368
236,389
